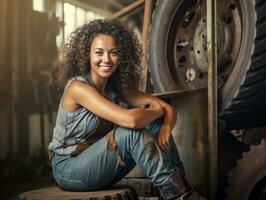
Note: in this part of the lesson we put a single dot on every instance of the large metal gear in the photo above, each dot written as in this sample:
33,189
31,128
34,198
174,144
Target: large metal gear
247,181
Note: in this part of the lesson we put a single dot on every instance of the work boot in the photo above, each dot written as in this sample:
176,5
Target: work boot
177,188
191,195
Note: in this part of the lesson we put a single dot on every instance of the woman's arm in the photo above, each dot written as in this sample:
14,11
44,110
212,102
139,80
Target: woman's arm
80,94
138,98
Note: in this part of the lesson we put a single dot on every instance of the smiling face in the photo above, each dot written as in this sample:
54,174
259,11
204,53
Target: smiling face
103,56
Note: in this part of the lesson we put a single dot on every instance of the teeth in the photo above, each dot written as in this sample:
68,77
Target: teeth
104,68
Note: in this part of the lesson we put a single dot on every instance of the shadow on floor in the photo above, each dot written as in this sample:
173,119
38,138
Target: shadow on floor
10,191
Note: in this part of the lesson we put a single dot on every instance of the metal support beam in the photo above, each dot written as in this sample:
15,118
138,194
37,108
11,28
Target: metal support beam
178,93
212,97
7,45
126,10
145,34
21,18
89,7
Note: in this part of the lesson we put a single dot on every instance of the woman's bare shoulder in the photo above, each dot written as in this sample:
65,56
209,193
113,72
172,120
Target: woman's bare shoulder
73,89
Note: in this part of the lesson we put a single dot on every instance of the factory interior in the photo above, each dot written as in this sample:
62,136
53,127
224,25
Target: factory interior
206,58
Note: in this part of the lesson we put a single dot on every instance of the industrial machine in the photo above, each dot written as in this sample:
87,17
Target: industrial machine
178,61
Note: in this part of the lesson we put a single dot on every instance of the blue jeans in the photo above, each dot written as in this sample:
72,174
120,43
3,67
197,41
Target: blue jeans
97,167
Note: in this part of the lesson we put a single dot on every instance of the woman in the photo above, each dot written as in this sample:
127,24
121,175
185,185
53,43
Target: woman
96,141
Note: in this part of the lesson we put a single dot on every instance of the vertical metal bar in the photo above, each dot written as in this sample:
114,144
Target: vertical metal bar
145,32
8,28
23,89
212,96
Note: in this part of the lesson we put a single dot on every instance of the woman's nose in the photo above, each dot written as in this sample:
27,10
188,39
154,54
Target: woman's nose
106,58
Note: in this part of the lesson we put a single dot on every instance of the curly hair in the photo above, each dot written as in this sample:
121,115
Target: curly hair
74,56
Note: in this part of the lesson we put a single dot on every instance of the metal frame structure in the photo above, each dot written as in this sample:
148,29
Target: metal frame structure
212,97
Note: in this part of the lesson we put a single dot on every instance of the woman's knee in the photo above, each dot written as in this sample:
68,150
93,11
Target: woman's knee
124,133
154,126
131,135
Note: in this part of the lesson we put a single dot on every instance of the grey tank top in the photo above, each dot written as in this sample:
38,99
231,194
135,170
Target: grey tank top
74,127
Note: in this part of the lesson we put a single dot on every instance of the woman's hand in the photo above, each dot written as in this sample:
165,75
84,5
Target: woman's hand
164,137
154,106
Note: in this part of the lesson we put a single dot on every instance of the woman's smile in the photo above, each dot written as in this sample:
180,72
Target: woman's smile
105,68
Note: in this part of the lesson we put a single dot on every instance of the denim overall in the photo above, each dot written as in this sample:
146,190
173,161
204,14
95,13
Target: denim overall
98,166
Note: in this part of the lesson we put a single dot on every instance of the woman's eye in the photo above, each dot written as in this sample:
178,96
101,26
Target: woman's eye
99,53
114,53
